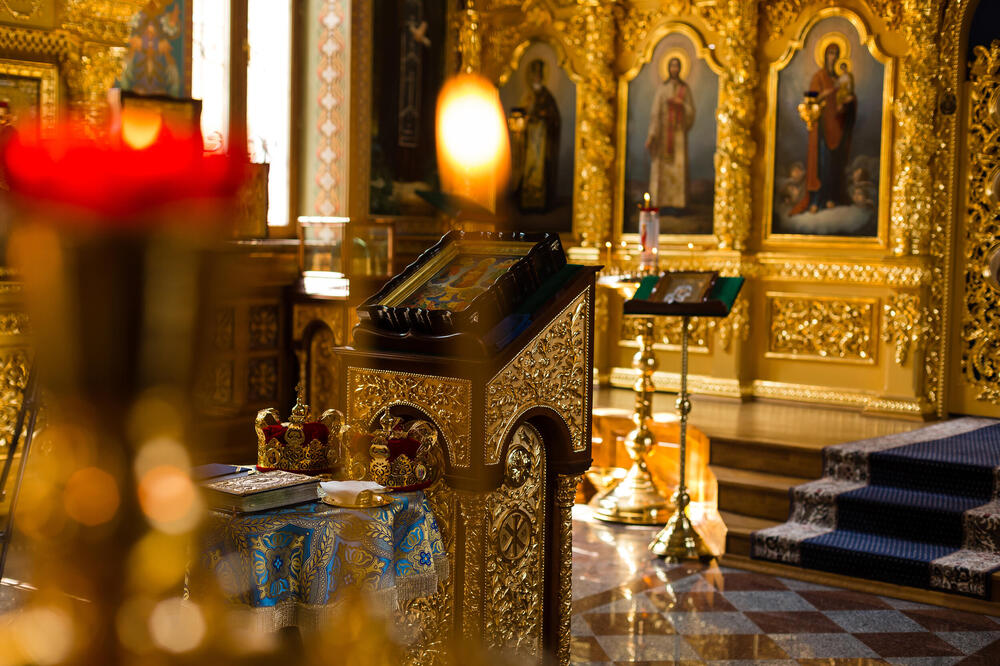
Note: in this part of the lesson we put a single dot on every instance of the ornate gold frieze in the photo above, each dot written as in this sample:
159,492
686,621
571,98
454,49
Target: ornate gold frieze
444,400
513,603
778,15
838,396
550,371
905,324
671,381
101,20
821,327
592,33
564,500
980,311
637,24
807,269
667,330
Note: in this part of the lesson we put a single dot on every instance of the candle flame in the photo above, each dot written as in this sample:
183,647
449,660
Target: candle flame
472,144
645,197
140,127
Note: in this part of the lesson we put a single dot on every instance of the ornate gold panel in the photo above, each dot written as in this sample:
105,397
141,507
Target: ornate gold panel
514,592
979,332
550,371
446,401
822,327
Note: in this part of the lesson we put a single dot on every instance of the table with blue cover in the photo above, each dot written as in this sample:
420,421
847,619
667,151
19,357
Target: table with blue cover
292,565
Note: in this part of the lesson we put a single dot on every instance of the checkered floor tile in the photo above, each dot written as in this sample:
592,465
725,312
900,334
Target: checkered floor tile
630,607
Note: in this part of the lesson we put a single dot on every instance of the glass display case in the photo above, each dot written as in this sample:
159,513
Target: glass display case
322,254
372,248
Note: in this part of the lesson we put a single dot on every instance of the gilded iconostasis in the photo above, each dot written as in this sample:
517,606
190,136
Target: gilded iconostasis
817,148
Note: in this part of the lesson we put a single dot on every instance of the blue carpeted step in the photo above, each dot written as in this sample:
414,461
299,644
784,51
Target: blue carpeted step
872,556
905,513
958,465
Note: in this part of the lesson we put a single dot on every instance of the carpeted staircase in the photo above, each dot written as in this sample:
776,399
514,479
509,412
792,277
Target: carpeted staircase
920,508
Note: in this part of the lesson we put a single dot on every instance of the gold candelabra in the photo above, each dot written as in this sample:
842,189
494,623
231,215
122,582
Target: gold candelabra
810,109
678,540
635,499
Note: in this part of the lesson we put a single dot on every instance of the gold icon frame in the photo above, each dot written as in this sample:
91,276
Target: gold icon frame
868,41
703,50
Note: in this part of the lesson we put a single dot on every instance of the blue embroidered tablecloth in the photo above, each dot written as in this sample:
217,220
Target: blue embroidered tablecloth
293,563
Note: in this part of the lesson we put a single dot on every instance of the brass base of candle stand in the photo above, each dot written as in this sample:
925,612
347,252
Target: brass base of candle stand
678,540
634,500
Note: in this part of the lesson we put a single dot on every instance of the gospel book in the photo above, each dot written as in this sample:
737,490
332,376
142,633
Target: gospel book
260,491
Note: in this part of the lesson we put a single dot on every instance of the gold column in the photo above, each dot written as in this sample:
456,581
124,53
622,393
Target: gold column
469,40
913,195
736,148
594,36
565,498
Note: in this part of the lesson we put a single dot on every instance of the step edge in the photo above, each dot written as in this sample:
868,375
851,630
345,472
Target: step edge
878,588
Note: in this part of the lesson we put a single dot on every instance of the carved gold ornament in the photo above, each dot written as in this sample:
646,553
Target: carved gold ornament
444,400
552,372
980,312
518,466
905,324
514,589
821,328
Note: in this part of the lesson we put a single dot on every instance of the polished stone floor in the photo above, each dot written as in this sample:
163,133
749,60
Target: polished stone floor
629,607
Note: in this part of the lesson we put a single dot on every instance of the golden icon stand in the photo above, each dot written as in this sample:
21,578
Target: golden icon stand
678,540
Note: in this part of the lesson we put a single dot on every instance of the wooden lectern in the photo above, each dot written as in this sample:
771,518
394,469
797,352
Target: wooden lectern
489,336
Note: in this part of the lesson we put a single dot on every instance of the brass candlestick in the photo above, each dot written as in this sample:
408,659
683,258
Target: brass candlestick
810,109
678,539
635,499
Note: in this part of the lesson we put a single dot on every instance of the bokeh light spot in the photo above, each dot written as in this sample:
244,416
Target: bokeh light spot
177,625
45,634
169,499
91,496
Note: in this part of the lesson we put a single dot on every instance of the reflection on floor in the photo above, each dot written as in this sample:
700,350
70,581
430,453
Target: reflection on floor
630,607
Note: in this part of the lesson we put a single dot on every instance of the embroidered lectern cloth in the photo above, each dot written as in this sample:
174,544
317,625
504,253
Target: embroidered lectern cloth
292,565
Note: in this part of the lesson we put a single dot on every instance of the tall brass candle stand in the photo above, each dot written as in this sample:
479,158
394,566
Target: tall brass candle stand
635,499
678,539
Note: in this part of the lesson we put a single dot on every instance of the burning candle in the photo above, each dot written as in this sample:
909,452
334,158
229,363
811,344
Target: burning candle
649,234
473,147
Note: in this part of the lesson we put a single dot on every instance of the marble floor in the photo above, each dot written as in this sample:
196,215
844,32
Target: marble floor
630,607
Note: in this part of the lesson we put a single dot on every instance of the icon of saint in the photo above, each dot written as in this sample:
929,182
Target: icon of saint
536,153
670,120
830,137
